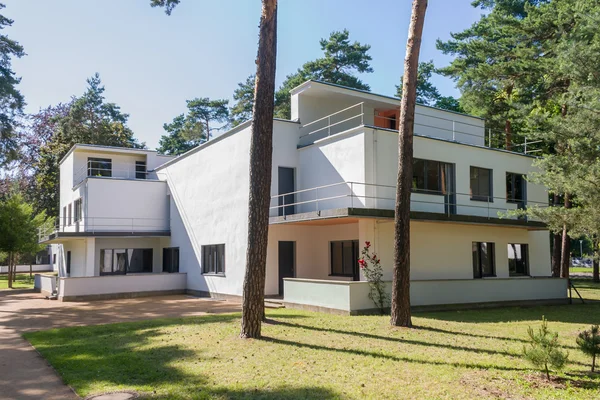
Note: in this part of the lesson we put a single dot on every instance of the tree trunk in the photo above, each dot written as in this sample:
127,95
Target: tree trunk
508,134
10,270
30,271
596,263
401,280
556,246
565,256
261,154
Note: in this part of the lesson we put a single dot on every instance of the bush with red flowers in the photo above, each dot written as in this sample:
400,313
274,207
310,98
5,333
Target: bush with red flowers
370,265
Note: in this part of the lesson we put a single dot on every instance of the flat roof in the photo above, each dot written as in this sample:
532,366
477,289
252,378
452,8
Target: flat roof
115,149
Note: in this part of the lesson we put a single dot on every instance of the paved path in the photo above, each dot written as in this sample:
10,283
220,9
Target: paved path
24,374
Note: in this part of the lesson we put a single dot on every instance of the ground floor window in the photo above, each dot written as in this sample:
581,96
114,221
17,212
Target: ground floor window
171,259
518,259
344,258
213,259
122,261
483,259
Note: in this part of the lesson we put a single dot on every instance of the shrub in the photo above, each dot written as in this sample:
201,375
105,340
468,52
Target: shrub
589,343
370,264
543,350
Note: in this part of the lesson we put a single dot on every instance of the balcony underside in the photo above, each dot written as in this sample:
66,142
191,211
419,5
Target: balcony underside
351,215
58,237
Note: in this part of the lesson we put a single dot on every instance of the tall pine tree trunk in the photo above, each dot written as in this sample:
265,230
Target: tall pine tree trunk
556,246
401,282
261,154
565,253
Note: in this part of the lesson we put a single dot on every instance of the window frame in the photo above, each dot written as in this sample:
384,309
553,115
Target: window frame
355,257
97,171
170,254
477,197
141,174
491,252
524,254
513,176
78,210
213,252
64,216
127,263
70,214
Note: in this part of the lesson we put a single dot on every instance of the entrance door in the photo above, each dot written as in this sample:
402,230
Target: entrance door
68,262
287,261
286,185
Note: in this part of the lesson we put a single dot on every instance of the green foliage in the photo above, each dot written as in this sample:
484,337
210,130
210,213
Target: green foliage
370,265
244,97
187,131
88,119
544,350
340,63
11,100
589,343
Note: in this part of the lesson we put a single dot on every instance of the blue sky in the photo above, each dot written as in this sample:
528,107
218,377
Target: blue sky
151,63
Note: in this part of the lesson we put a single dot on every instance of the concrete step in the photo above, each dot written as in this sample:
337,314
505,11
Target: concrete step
272,303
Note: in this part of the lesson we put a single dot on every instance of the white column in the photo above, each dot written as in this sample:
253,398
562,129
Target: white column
90,254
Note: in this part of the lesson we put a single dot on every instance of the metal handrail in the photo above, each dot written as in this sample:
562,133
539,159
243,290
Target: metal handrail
83,172
331,115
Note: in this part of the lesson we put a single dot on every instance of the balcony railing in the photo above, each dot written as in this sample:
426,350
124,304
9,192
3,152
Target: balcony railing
366,195
120,172
425,124
105,224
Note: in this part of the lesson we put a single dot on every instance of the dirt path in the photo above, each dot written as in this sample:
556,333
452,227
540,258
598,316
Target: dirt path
24,374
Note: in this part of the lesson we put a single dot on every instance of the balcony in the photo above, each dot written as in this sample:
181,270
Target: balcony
106,169
429,122
105,226
364,199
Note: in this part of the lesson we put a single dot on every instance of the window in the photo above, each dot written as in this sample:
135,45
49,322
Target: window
53,258
69,214
483,259
122,261
344,258
99,166
65,216
140,170
171,259
481,184
427,176
392,122
518,259
68,262
515,188
77,216
213,259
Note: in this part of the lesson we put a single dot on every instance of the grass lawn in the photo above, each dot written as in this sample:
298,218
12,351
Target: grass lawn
22,282
450,355
580,269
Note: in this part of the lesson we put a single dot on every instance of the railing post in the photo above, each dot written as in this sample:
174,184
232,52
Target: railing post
489,137
317,199
329,125
453,130
283,197
352,194
525,146
362,113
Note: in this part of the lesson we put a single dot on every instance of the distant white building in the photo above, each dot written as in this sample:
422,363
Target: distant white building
135,223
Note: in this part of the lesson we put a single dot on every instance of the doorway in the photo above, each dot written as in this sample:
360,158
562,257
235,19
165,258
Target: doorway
287,262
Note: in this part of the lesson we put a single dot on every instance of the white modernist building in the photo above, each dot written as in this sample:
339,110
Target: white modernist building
134,222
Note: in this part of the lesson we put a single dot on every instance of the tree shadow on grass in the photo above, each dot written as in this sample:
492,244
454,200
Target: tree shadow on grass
305,392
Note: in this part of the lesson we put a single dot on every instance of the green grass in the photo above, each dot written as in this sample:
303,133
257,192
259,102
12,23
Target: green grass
22,281
580,269
449,355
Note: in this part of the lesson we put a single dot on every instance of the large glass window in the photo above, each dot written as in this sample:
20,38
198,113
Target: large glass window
171,259
122,261
213,259
483,259
344,258
140,170
515,187
518,260
78,210
99,166
481,184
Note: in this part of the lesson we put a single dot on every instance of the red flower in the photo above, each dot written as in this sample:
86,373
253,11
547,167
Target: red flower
368,244
362,263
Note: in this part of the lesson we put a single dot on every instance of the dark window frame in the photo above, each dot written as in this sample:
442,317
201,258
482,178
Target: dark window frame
99,167
489,198
346,270
510,197
127,261
170,260
70,213
78,210
213,259
141,170
514,264
64,216
68,262
477,254
439,190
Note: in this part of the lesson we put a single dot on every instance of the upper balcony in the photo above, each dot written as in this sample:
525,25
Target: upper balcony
98,167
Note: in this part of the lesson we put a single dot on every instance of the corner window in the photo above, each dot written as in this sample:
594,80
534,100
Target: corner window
78,208
344,258
483,259
140,170
213,259
69,214
122,261
99,166
481,184
518,259
171,259
515,187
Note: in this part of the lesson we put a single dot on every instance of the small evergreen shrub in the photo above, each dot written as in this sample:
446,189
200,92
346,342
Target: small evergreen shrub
370,264
589,343
544,350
